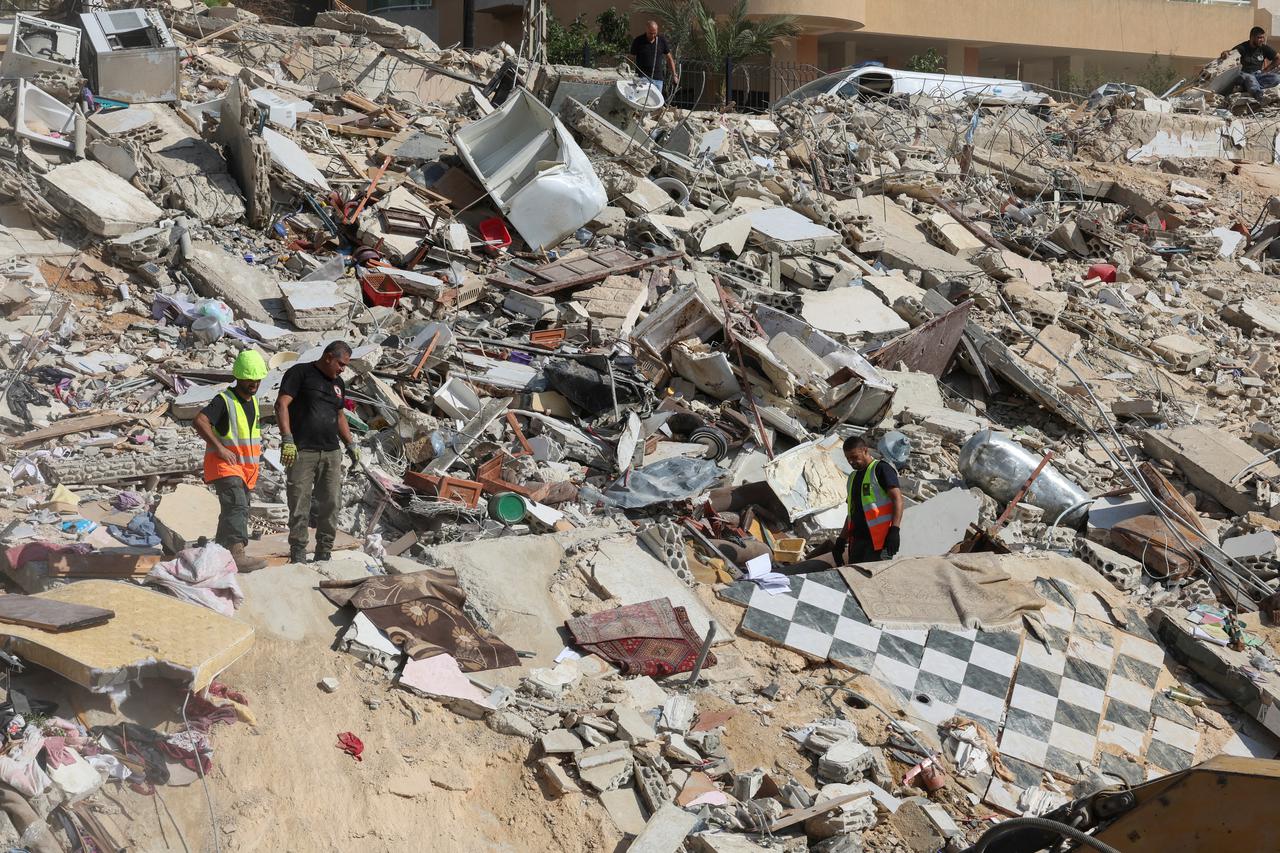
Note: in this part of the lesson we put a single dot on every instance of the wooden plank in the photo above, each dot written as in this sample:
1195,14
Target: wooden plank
54,616
552,286
791,818
103,564
68,426
376,133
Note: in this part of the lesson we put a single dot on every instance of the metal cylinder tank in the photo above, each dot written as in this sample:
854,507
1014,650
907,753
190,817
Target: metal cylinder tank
999,466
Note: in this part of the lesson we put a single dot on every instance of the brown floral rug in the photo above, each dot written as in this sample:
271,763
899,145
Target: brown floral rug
423,613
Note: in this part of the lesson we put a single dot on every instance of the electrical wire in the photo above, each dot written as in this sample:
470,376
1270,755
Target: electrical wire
213,815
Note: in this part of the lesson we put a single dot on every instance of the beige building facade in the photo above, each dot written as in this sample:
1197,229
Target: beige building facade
1051,42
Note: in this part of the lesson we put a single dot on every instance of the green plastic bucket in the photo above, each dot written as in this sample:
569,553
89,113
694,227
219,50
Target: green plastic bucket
508,507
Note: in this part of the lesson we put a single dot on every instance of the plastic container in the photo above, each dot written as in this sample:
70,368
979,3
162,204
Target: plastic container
1106,272
207,329
494,233
788,550
380,289
508,508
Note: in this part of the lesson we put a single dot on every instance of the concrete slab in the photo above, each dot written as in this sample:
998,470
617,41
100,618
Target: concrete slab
629,573
624,808
102,201
508,581
285,602
1106,513
1211,460
218,274
915,391
151,635
1261,544
665,832
186,514
1060,342
931,528
851,311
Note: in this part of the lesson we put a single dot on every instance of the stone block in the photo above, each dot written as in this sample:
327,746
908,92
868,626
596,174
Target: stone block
561,741
845,761
1183,353
665,832
632,725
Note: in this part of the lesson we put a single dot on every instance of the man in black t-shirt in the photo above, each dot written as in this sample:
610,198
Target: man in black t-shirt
1257,58
653,55
309,410
875,508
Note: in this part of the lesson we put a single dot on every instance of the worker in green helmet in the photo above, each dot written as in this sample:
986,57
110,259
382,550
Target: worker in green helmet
231,426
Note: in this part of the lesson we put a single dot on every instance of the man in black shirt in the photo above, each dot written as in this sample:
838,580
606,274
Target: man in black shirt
875,508
309,410
653,55
1257,58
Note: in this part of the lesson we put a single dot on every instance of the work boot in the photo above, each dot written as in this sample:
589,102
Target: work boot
323,555
297,555
245,563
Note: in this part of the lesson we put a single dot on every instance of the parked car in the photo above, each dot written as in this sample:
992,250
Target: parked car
876,81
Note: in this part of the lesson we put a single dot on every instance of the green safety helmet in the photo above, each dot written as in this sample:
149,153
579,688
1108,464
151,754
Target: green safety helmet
249,365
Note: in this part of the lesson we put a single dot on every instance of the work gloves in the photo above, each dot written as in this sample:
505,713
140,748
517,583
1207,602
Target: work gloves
892,542
353,453
288,452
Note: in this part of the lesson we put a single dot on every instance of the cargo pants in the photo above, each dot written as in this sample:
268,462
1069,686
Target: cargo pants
315,478
233,511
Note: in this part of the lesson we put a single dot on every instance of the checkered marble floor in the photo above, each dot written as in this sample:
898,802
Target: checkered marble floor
1080,695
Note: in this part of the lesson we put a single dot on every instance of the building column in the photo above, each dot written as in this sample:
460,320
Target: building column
807,50
963,59
1067,66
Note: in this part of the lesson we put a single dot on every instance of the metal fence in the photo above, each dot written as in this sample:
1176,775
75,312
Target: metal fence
749,87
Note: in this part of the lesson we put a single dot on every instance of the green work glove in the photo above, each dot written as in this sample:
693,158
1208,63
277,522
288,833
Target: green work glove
288,452
354,453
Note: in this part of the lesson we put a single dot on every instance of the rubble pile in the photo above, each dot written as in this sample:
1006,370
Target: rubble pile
605,358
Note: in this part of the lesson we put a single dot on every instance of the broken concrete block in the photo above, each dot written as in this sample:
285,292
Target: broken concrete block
853,311
951,235
1182,353
1252,315
923,825
1253,545
632,725
934,527
561,741
1211,460
1147,410
854,816
186,514
512,724
726,842
678,749
1055,340
557,779
783,230
1123,572
218,274
615,303
665,831
623,806
98,199
1107,512
1044,306
845,761
605,767
677,714
709,370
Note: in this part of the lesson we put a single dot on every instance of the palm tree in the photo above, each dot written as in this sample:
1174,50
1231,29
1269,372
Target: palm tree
735,37
687,24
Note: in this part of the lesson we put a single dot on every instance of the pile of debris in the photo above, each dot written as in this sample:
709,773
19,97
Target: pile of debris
605,357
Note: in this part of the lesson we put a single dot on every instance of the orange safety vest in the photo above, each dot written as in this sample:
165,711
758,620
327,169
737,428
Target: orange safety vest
874,502
242,440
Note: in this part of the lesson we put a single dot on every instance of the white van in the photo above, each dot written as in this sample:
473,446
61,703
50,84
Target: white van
876,81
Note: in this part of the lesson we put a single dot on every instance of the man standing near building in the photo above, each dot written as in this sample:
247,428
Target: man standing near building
1257,59
653,55
309,410
875,508
231,428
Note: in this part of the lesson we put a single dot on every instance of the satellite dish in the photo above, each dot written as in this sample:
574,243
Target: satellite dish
642,95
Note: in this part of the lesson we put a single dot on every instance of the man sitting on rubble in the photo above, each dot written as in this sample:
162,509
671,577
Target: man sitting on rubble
309,410
875,508
1257,58
231,428
653,55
